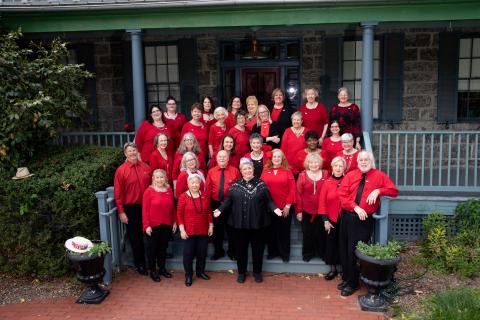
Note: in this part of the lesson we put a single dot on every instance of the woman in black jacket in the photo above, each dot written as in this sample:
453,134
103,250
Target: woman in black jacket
268,129
249,200
281,112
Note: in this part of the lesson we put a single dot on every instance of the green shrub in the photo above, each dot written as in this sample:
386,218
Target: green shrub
39,213
453,304
389,251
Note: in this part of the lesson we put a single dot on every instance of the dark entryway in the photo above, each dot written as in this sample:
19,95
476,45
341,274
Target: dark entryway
260,82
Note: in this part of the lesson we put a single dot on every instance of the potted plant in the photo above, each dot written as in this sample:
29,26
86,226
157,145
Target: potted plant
87,258
377,265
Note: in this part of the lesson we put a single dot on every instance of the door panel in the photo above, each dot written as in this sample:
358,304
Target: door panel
260,82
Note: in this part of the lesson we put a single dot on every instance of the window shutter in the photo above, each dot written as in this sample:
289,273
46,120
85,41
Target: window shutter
187,57
85,55
447,77
392,77
332,79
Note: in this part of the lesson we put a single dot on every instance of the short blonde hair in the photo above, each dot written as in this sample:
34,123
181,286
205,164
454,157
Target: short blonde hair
159,172
310,157
252,99
297,114
259,121
315,91
339,159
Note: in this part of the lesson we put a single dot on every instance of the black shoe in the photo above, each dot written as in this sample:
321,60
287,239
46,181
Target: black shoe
285,259
258,277
307,258
348,291
271,256
231,255
341,285
241,278
203,275
217,256
141,270
169,256
188,281
165,273
155,276
331,275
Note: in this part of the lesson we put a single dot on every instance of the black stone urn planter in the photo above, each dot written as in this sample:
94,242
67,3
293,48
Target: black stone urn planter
90,272
377,275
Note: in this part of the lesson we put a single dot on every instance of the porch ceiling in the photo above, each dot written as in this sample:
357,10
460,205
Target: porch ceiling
284,13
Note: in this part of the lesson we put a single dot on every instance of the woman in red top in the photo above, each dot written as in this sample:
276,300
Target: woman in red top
197,127
258,156
309,184
228,144
267,128
293,140
252,108
311,139
175,121
208,108
348,116
158,217
315,116
329,208
188,143
240,134
279,179
188,167
147,132
217,131
160,159
332,145
195,222
233,107
348,153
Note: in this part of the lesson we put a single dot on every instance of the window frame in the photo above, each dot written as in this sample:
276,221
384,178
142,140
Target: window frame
469,79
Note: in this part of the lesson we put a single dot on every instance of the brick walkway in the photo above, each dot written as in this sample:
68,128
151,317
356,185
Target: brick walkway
280,296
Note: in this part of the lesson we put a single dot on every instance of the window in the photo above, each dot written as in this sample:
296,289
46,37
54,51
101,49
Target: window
161,73
468,89
352,72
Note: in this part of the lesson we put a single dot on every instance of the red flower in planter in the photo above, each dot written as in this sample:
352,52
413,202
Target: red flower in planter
128,127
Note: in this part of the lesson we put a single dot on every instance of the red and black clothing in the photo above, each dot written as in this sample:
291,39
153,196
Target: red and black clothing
267,129
233,160
250,122
349,119
291,145
175,124
315,118
259,164
145,137
242,140
283,120
200,132
157,161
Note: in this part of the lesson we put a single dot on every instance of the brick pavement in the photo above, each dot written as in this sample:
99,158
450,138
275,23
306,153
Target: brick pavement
280,296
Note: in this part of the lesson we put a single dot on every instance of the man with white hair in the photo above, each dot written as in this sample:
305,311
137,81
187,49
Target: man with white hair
359,196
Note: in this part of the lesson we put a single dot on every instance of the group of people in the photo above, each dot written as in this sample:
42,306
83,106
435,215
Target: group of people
244,173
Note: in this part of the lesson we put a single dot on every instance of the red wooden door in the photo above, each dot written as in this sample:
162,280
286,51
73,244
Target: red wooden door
260,82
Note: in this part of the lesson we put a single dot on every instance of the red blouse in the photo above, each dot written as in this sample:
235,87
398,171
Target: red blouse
200,132
215,136
177,161
145,136
157,161
182,185
275,113
242,140
308,192
131,180
194,214
175,126
316,118
158,208
350,159
329,201
291,145
230,120
281,185
331,148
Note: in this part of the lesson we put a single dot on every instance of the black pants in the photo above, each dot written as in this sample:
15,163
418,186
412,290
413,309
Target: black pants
279,236
244,237
195,247
331,244
135,233
352,230
313,236
157,245
220,226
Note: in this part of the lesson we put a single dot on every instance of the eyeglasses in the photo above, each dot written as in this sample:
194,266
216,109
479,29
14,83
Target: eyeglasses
188,160
263,112
188,140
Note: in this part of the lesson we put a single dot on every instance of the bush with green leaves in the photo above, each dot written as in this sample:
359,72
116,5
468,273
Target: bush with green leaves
39,213
458,304
39,93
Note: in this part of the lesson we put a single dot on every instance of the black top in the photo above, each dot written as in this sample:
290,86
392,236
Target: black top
258,167
249,203
273,131
284,120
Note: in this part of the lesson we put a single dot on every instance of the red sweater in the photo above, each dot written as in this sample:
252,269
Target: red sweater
308,192
315,119
375,179
291,145
213,181
158,162
351,161
242,140
200,132
177,161
145,136
215,136
281,185
182,184
130,182
329,201
158,208
194,216
175,126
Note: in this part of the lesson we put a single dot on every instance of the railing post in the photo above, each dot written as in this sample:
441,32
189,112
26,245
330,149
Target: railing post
104,235
381,222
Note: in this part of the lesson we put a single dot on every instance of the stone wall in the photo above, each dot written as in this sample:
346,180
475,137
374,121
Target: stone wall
312,61
207,55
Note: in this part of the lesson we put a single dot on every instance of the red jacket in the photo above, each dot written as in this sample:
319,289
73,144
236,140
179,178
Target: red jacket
281,185
194,214
329,201
315,119
213,181
158,208
291,145
131,180
308,192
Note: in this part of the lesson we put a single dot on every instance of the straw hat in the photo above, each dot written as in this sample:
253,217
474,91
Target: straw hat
22,173
78,244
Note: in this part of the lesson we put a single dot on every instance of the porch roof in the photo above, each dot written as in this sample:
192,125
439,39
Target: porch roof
96,15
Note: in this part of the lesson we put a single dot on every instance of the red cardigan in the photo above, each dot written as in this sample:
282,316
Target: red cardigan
291,145
329,201
175,126
158,208
315,119
200,132
194,216
158,162
145,136
308,192
281,185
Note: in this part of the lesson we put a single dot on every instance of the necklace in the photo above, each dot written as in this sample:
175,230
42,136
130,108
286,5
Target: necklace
159,124
201,202
311,105
297,131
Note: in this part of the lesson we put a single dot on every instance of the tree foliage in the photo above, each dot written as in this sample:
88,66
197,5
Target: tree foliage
39,94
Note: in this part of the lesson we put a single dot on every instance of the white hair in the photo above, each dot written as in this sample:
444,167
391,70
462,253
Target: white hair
370,156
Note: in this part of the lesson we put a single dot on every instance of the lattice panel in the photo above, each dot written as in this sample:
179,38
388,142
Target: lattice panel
405,227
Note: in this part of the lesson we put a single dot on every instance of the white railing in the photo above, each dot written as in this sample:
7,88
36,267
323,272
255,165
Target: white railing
102,139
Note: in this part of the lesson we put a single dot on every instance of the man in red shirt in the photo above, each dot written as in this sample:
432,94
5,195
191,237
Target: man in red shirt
359,197
219,180
131,180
